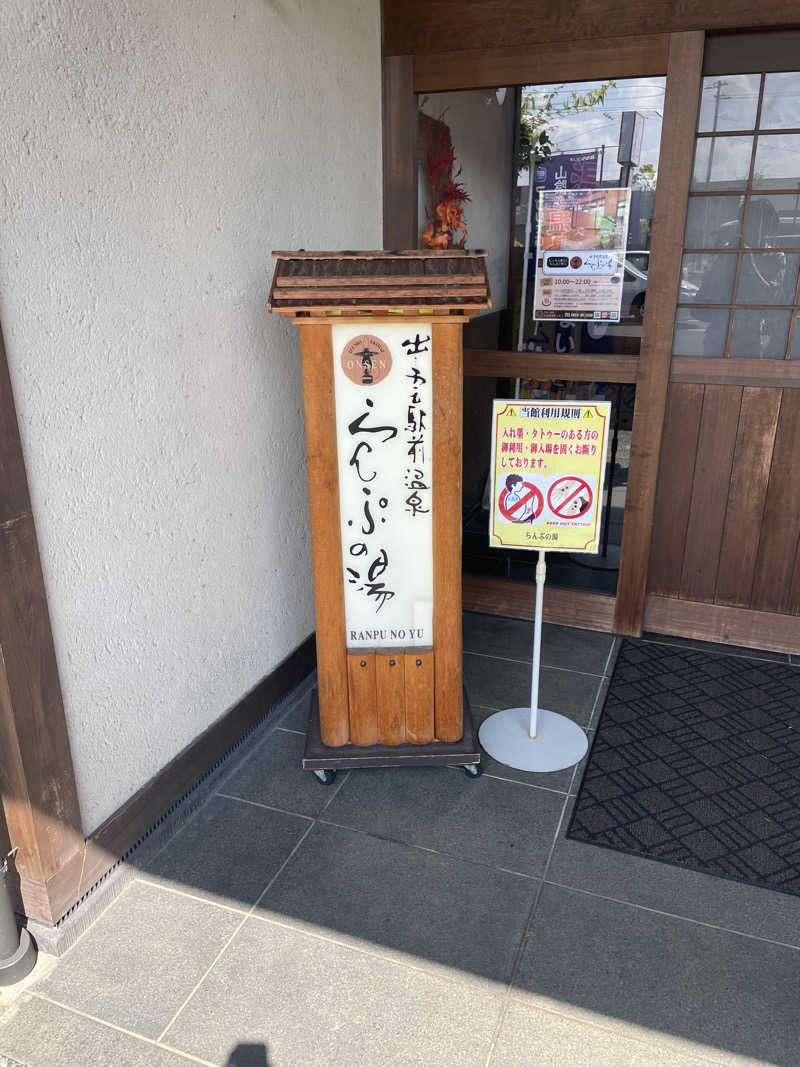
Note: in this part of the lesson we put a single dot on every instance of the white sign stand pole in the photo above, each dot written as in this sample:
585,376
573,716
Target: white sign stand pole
534,739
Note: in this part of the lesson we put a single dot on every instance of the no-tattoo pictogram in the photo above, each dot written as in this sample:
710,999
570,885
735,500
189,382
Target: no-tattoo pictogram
526,506
570,497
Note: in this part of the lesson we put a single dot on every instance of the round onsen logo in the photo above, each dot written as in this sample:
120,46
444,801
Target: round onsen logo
366,360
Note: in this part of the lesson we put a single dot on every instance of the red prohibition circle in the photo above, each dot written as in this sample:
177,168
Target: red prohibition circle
517,508
559,510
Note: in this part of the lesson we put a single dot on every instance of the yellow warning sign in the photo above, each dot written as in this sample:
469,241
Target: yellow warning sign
548,470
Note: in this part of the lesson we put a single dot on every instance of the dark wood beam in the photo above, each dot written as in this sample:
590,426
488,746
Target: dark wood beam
567,607
425,27
399,154
491,363
750,372
591,59
717,622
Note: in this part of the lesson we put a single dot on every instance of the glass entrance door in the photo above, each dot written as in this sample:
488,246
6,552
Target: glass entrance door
585,172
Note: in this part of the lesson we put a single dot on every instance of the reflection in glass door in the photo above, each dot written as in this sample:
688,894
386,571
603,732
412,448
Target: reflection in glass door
587,135
602,138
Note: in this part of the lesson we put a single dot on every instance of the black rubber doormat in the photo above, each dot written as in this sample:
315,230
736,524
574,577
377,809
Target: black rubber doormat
696,762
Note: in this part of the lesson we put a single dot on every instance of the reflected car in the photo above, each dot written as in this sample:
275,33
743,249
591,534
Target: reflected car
634,286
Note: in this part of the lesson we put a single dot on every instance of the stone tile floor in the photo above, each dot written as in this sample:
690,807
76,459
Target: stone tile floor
419,916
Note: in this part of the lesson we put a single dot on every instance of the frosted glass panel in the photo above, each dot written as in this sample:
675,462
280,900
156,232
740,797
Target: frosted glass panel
714,221
795,350
700,332
781,105
760,333
722,163
773,220
767,278
740,274
777,161
729,103
707,278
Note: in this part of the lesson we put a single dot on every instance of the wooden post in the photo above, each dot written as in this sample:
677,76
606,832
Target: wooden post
684,74
447,431
326,544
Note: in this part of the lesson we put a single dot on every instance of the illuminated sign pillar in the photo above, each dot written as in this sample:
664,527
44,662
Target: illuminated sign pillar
381,347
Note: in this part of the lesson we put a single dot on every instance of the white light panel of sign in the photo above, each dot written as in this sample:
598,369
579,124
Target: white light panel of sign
384,433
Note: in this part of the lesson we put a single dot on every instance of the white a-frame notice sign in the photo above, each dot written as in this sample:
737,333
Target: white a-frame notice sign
547,474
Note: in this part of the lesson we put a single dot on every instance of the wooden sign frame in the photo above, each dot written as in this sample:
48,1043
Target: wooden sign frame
384,706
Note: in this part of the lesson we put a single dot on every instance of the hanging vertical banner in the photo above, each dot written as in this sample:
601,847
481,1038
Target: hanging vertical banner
382,381
581,240
567,170
548,470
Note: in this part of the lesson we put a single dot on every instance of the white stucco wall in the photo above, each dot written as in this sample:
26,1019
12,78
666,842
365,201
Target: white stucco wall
152,154
483,138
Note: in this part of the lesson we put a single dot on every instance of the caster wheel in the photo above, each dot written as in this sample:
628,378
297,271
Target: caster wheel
326,777
473,770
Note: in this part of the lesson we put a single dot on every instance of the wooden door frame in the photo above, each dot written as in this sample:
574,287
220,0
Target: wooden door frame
678,56
681,103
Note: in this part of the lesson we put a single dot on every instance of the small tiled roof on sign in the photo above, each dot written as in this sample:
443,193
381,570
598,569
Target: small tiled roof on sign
318,283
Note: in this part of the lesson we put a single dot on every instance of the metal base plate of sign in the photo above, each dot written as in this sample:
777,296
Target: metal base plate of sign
324,760
559,741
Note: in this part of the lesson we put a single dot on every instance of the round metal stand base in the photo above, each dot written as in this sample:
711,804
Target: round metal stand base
559,743
21,964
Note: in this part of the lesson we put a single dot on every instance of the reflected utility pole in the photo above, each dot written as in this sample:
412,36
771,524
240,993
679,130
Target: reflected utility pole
717,92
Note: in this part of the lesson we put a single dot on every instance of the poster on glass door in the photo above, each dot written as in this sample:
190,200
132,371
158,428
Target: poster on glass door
581,240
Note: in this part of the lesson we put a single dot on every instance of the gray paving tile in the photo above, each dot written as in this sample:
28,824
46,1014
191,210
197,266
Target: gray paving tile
599,701
498,823
703,897
309,1001
497,683
677,983
228,851
559,780
40,1034
438,912
530,1036
562,646
272,775
137,964
715,646
296,718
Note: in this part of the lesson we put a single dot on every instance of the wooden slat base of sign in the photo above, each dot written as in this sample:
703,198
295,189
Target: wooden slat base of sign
463,753
362,698
390,693
419,670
